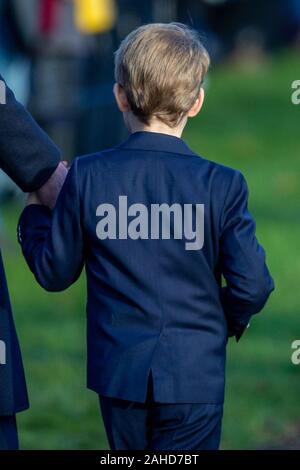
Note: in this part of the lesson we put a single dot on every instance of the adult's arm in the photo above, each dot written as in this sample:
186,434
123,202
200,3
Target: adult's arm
27,154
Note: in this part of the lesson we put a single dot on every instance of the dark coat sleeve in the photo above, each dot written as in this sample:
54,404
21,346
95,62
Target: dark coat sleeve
27,154
52,242
243,264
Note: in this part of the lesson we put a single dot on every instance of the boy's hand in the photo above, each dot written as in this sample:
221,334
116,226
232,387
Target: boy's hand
48,194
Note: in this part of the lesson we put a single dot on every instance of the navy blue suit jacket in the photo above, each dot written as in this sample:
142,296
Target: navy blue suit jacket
155,299
29,157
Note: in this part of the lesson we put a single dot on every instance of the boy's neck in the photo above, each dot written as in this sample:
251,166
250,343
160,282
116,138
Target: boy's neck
135,125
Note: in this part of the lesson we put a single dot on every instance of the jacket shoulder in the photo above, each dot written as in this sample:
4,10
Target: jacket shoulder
218,167
222,175
84,161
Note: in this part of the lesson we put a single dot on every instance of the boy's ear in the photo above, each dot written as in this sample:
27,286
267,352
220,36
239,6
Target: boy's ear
195,109
121,98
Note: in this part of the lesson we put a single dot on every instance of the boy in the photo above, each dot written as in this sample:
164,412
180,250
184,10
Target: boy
155,226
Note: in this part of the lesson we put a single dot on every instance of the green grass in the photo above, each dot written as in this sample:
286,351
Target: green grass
248,122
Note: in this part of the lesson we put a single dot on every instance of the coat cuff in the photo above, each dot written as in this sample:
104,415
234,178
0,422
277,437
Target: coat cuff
238,330
40,179
32,215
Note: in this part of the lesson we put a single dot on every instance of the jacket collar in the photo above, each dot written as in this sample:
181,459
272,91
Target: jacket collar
154,141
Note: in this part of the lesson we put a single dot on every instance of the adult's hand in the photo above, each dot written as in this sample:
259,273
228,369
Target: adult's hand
48,194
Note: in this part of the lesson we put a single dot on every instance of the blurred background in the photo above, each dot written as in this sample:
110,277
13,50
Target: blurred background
57,55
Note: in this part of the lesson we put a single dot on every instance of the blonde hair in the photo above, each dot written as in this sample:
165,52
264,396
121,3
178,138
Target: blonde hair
161,68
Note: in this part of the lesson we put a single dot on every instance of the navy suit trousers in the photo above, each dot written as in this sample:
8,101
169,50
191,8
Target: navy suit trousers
161,426
8,433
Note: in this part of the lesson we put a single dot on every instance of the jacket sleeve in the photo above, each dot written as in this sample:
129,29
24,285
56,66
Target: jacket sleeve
52,241
27,154
248,282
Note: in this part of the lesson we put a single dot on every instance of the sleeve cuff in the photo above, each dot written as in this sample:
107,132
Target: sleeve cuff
39,180
241,331
32,215
238,330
